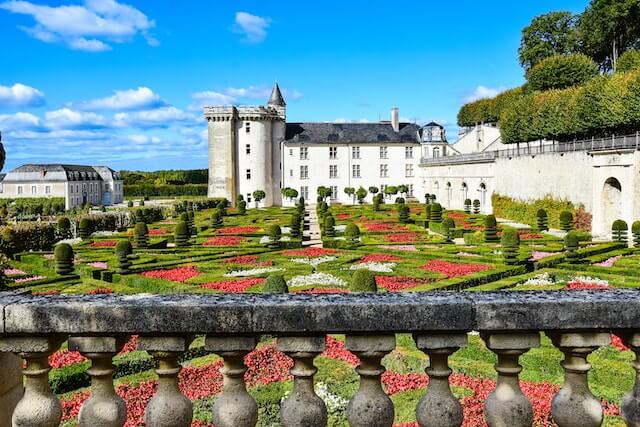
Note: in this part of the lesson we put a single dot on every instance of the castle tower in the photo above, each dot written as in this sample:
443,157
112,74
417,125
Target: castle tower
245,149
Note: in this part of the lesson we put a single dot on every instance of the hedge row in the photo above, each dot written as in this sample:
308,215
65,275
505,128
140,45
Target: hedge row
165,190
487,110
32,206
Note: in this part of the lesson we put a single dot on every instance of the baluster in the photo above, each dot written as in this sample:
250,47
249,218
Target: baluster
630,405
11,389
302,407
574,405
103,408
507,406
169,407
38,406
235,407
439,407
370,406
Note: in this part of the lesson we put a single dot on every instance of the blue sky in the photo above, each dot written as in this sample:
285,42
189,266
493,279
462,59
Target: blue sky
122,83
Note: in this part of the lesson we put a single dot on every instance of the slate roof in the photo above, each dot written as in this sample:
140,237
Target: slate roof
276,97
58,172
337,133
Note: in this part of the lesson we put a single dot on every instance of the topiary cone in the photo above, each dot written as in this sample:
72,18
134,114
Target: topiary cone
182,234
63,255
141,235
275,284
123,250
510,242
635,229
571,244
363,281
491,229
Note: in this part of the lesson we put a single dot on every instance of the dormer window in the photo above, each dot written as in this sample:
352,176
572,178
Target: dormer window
247,127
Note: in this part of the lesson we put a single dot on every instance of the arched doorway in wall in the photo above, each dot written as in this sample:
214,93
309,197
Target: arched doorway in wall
436,190
465,192
611,202
449,191
483,196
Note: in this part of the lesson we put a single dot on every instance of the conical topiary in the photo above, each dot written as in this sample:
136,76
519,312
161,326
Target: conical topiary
182,234
274,232
476,206
192,223
436,213
275,284
566,221
84,229
63,255
352,232
543,220
222,207
123,250
571,243
449,227
403,213
635,229
64,227
295,225
363,281
619,231
329,225
467,205
376,204
242,207
491,229
427,215
510,242
141,235
217,220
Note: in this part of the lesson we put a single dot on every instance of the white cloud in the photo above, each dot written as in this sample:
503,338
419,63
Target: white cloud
232,95
89,27
18,121
66,118
158,118
482,92
20,95
131,99
143,139
254,28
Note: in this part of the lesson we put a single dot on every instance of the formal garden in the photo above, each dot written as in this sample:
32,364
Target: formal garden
207,246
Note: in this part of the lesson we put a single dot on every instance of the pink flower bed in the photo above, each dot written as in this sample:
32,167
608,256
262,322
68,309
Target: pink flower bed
580,285
224,241
308,252
247,260
233,286
538,255
103,244
406,248
380,258
180,274
451,269
402,237
609,262
29,279
399,283
97,264
249,229
13,272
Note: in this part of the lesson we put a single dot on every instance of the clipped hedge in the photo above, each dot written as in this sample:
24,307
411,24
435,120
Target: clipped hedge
165,190
526,211
561,71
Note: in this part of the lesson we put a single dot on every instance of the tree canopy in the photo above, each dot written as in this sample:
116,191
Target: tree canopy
550,34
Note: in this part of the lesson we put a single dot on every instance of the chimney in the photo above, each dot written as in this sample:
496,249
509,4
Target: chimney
395,119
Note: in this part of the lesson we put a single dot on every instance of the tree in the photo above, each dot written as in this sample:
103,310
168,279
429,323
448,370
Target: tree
561,71
390,190
549,34
290,193
323,192
608,28
350,191
628,61
374,190
403,189
361,194
258,196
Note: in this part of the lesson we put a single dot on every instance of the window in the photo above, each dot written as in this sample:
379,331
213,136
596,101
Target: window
1,187
47,189
248,197
408,170
383,152
333,171
304,172
19,189
34,189
436,152
382,187
355,170
334,193
291,151
291,172
355,152
248,148
410,192
304,192
248,173
333,152
408,152
384,171
247,127
304,153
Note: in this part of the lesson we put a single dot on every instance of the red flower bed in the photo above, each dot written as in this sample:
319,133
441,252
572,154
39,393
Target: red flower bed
233,286
402,237
157,232
63,358
343,216
456,215
99,291
616,342
238,230
380,258
579,285
334,349
224,241
309,252
53,292
323,291
180,274
399,283
381,227
451,269
103,244
247,260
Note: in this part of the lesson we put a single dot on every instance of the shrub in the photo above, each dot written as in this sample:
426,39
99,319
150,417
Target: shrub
242,207
571,243
467,205
184,217
449,226
491,229
566,221
64,227
123,250
635,229
427,198
476,206
329,225
182,234
141,234
295,225
619,231
400,200
628,61
376,204
130,203
240,198
363,281
510,242
427,215
141,202
192,222
84,229
403,214
561,71
28,237
542,219
436,213
222,207
352,232
216,220
63,255
300,209
275,284
275,233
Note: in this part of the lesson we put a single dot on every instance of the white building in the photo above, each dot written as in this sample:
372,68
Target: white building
254,148
97,185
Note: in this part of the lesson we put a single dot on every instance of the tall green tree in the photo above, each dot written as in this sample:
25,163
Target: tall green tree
608,28
550,34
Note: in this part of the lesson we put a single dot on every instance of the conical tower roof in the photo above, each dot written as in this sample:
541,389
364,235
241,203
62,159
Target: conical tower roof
276,97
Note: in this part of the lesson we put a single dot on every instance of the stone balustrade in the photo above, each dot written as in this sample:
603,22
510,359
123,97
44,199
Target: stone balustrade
510,323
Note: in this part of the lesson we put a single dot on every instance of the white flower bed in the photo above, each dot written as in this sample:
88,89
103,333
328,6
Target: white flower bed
314,262
591,280
104,233
340,228
543,279
267,239
323,279
334,402
71,241
377,267
253,272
